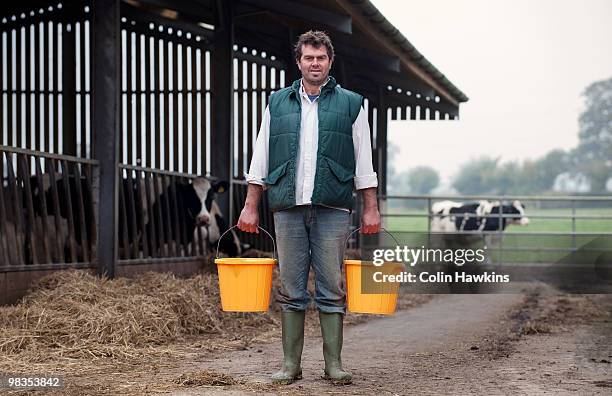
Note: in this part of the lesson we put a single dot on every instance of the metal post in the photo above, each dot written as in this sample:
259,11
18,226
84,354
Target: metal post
106,61
381,144
221,137
573,229
500,232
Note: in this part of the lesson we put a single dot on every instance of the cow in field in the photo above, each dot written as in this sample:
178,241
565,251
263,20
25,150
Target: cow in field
450,216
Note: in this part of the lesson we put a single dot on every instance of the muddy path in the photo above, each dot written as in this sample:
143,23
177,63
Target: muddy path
530,343
454,344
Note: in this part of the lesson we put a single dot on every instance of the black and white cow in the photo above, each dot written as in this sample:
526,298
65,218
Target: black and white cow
188,210
450,216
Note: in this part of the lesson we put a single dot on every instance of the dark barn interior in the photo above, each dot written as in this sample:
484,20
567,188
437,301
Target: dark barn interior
110,108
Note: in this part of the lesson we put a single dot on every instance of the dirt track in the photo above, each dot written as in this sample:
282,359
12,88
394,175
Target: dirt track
528,343
453,344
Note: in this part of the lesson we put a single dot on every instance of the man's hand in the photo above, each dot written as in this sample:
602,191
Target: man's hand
249,217
370,219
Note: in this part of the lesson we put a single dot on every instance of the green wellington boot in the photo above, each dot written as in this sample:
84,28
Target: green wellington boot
331,329
293,342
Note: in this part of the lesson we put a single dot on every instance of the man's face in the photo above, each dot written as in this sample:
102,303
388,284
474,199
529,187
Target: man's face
314,64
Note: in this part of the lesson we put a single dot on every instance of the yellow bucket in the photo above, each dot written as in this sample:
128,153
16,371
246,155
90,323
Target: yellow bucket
245,283
374,298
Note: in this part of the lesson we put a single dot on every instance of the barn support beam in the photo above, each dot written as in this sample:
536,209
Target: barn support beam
381,142
292,72
222,79
106,68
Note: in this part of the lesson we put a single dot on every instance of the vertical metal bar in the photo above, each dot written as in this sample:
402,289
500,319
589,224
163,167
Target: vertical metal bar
24,169
167,96
131,208
90,212
574,248
500,233
206,111
138,110
146,108
242,97
152,235
175,100
17,210
194,118
130,100
7,250
184,237
26,89
52,169
45,89
141,214
69,212
430,217
248,121
186,142
10,89
156,130
83,120
177,220
123,220
168,225
54,108
18,90
221,161
68,71
159,220
82,228
381,144
41,205
33,109
106,72
3,116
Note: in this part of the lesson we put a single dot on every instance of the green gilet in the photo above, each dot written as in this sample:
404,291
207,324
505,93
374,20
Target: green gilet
338,109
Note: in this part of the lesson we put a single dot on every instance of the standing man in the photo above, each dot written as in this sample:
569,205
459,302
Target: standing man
313,147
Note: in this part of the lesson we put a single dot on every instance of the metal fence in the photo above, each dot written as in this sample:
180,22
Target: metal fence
46,210
570,240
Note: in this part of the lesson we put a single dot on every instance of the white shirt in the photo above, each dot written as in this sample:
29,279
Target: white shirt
365,177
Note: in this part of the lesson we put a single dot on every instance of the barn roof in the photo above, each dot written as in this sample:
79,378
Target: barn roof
398,40
371,46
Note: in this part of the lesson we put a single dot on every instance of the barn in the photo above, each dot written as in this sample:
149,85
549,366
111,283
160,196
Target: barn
111,109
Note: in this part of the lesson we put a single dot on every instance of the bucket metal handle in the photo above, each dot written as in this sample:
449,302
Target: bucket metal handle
357,229
234,226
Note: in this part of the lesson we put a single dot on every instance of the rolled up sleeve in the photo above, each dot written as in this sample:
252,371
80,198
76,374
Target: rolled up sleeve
365,177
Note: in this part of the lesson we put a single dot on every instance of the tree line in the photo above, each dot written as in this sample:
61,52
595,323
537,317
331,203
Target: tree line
584,169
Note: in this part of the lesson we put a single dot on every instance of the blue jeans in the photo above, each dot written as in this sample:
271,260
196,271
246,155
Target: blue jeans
311,234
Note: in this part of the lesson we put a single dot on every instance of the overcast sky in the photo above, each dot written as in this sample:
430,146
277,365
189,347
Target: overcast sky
522,63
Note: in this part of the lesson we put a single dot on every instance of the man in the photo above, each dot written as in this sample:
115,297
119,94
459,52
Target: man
312,148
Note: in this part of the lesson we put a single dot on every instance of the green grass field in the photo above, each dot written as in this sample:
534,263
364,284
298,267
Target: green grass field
593,225
526,244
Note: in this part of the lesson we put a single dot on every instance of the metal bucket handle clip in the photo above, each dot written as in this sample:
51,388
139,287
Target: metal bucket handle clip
234,226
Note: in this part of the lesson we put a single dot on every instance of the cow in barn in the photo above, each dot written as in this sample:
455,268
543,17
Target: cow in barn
72,202
450,216
189,212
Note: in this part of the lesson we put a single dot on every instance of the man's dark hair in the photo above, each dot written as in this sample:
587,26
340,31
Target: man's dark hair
316,38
